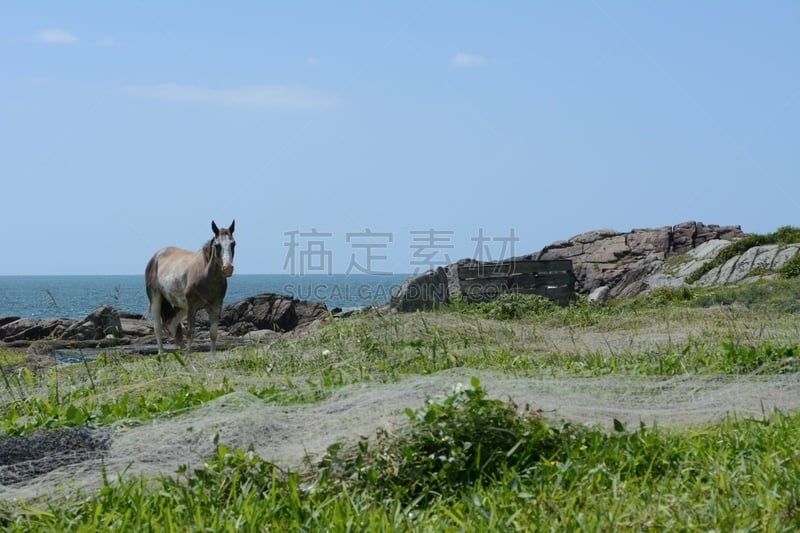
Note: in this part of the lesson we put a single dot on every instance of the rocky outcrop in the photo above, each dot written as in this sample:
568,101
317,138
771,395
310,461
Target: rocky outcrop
613,264
619,260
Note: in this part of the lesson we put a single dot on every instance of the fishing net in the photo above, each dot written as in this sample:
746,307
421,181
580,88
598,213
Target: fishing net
62,461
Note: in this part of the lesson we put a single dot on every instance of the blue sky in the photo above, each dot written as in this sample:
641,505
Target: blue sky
386,137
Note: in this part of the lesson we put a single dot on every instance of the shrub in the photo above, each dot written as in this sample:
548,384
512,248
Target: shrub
668,295
452,443
791,268
783,235
512,306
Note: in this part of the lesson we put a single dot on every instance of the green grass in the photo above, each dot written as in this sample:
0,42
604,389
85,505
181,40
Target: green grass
464,462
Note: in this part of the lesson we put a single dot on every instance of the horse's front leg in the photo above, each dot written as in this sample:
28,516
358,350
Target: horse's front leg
213,317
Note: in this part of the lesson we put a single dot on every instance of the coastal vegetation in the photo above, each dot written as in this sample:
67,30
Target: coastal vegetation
782,236
466,460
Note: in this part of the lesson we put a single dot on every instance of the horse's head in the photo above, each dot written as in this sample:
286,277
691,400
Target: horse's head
223,247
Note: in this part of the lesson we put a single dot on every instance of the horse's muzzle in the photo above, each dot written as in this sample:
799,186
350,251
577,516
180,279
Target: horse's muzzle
227,270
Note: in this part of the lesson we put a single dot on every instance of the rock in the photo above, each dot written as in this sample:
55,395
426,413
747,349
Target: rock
424,291
607,250
27,329
683,235
134,327
40,348
270,311
659,279
599,295
265,311
261,335
309,314
650,241
7,320
636,279
97,325
697,257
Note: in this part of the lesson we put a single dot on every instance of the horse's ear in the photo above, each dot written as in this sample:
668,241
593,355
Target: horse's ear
231,228
214,228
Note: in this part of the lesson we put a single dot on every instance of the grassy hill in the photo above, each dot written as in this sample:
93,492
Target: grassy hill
651,413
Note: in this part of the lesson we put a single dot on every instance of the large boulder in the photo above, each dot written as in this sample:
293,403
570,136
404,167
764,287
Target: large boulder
269,311
309,313
104,321
424,291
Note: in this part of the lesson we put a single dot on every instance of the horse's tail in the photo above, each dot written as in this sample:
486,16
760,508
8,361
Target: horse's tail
168,311
150,278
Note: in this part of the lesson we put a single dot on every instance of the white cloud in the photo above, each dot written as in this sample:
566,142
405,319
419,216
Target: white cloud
265,96
56,36
462,60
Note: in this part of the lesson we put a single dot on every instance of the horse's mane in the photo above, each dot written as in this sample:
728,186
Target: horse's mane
207,250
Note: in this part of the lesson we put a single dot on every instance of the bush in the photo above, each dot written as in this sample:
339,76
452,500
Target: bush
512,306
451,444
791,268
783,235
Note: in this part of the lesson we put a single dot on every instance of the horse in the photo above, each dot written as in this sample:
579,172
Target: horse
181,282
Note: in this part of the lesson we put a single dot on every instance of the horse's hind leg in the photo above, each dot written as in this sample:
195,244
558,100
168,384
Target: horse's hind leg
190,329
178,333
176,329
176,326
158,328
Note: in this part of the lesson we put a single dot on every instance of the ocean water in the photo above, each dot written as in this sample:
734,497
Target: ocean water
77,296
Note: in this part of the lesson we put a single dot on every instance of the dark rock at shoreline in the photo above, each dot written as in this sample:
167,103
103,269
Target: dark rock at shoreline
268,311
99,324
28,329
105,326
7,320
309,313
424,291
